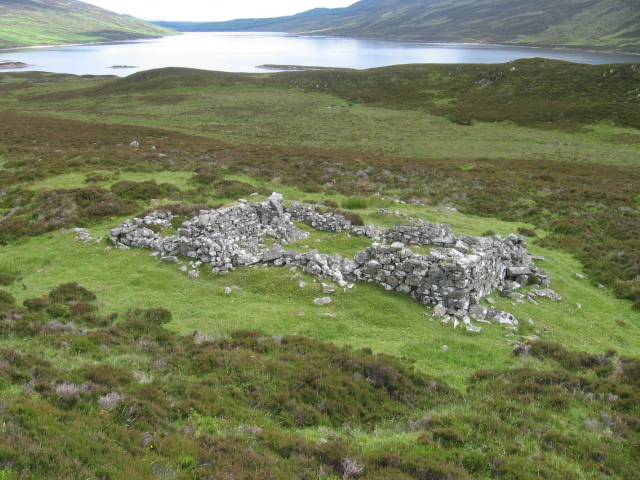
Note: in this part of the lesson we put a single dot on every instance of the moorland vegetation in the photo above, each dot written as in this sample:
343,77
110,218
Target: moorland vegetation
115,365
26,23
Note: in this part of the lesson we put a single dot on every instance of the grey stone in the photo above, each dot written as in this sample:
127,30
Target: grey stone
517,271
326,288
478,311
511,294
505,318
322,301
273,253
170,259
439,311
547,293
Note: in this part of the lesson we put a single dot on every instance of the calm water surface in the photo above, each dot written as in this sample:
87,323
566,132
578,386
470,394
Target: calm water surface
245,52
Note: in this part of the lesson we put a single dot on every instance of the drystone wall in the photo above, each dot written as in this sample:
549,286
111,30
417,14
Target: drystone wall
456,274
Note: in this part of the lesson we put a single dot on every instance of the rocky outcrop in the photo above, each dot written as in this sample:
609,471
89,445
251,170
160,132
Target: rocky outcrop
456,274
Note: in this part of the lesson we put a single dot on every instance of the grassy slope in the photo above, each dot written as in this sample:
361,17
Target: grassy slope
274,108
122,397
53,22
234,408
393,110
575,23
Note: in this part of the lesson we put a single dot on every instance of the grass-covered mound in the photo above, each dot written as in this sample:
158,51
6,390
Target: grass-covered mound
105,396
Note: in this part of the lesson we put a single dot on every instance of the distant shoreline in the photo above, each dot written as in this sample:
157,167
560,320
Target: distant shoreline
53,45
586,48
295,68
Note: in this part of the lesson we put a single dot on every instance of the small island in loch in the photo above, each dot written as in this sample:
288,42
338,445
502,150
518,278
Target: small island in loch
9,64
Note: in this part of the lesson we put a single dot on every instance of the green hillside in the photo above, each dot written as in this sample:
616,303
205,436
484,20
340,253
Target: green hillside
25,23
611,24
116,365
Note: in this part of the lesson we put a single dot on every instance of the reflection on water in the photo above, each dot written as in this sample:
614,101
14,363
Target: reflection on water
243,52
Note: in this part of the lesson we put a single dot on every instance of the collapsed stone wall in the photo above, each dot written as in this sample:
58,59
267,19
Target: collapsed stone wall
457,272
225,238
425,233
328,222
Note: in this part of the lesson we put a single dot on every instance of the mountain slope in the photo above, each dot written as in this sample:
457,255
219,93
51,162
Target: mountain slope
607,24
26,23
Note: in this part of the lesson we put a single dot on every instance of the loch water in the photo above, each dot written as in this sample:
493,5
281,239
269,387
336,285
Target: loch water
247,51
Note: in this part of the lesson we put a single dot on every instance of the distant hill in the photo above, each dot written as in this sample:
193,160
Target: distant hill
25,23
604,24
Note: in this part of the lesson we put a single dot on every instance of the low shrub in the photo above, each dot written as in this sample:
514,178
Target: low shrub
147,190
527,232
330,204
232,189
448,437
54,209
71,292
95,178
353,217
206,175
569,360
6,298
7,279
354,203
36,304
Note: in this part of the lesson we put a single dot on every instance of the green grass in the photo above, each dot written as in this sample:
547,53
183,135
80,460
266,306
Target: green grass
231,108
367,316
528,405
108,178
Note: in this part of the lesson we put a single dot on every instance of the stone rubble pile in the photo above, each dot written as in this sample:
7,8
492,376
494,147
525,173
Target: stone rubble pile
328,222
455,275
425,233
225,238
